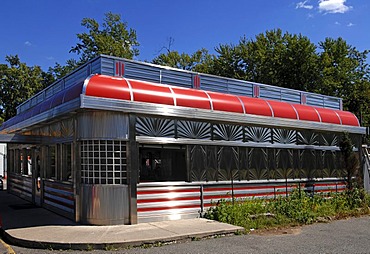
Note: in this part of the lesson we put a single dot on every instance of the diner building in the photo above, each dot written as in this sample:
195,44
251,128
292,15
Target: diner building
123,142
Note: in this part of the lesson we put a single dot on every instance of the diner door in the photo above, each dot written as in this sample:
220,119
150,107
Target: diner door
37,178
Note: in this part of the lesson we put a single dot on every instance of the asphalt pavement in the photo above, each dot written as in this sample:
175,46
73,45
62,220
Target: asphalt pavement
24,224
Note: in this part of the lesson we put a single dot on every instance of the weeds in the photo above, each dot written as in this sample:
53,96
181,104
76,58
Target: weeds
297,209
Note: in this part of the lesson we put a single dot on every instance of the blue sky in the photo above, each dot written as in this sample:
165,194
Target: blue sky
42,32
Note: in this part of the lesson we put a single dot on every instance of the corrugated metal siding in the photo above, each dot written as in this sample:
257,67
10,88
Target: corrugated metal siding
182,79
142,72
333,103
240,88
214,84
315,100
271,93
95,66
107,66
77,77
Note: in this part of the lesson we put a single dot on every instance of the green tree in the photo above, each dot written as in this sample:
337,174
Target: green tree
344,72
18,82
273,58
111,38
350,161
199,61
59,71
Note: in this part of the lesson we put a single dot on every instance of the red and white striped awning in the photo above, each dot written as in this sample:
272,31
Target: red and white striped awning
141,91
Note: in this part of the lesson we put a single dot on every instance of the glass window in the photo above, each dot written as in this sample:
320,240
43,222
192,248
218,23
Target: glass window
162,164
66,162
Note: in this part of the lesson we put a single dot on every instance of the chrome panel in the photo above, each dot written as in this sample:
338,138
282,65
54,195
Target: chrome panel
200,114
105,204
102,125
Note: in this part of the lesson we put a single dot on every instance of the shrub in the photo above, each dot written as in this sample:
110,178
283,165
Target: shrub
297,208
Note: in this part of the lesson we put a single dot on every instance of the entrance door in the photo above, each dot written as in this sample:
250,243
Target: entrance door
37,178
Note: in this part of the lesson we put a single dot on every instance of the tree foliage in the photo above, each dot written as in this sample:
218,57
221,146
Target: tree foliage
113,37
273,58
350,161
290,60
198,61
344,73
18,82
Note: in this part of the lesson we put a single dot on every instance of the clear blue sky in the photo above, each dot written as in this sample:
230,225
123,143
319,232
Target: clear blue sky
42,32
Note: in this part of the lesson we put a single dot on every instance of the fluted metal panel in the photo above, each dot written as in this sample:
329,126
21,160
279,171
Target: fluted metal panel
102,125
213,83
77,77
105,204
271,93
331,102
170,77
107,66
139,71
97,66
315,100
239,87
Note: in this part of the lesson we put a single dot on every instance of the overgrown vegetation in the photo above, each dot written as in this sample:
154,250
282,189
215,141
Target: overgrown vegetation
297,209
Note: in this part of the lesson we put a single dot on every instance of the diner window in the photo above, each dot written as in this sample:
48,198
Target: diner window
51,170
66,162
162,164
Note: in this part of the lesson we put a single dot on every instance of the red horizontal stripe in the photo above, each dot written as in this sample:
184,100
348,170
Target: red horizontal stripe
155,200
151,192
152,209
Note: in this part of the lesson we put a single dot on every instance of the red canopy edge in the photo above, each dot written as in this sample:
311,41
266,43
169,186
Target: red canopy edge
142,91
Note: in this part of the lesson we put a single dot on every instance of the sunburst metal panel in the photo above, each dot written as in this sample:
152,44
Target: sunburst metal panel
329,139
257,134
283,136
307,137
193,130
155,127
227,132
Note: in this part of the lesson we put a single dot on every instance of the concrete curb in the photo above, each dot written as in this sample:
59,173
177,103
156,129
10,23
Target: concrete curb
105,246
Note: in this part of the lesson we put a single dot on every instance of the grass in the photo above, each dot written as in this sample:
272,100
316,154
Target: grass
299,208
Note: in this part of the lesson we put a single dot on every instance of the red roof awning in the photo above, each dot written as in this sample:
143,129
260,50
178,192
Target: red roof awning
141,91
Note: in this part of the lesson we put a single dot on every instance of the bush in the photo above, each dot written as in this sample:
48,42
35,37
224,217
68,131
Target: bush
297,208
